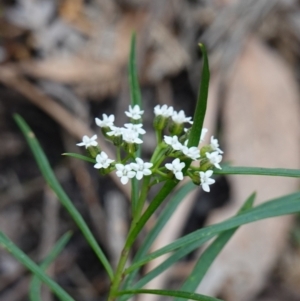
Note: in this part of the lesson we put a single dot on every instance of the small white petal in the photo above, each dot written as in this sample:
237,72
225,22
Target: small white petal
214,143
124,180
203,133
179,175
139,175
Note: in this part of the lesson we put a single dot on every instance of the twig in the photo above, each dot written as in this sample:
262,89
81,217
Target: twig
74,126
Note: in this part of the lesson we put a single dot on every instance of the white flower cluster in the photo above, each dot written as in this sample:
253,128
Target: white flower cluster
174,145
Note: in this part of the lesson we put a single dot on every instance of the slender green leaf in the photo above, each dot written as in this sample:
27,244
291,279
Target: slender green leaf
181,253
50,178
201,102
242,170
135,91
185,295
210,254
160,223
281,206
136,99
35,285
34,268
81,157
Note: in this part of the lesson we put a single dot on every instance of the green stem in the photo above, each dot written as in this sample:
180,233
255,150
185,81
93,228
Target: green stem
119,153
125,252
142,198
161,173
157,152
136,227
158,134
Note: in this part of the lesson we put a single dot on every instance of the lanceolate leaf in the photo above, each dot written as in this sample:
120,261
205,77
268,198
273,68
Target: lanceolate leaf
35,285
201,102
281,206
135,91
38,272
160,223
62,196
177,255
136,99
185,295
209,255
242,170
80,157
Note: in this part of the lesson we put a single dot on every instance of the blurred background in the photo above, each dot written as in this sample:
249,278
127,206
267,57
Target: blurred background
64,62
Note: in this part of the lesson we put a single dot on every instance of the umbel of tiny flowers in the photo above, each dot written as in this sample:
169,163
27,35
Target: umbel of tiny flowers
174,144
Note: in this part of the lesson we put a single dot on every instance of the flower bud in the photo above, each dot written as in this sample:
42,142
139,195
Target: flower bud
104,131
131,148
176,128
195,178
205,165
160,122
116,140
93,151
205,149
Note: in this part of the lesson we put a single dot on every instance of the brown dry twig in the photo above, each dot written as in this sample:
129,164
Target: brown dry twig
11,78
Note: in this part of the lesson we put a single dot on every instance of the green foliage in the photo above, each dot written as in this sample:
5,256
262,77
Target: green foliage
35,285
34,268
50,178
124,280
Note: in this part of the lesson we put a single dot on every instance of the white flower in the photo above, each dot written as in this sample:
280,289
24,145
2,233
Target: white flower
115,131
179,117
131,136
173,141
108,121
176,166
192,152
124,172
203,133
214,158
87,142
102,161
205,179
164,111
141,168
135,112
135,128
215,145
